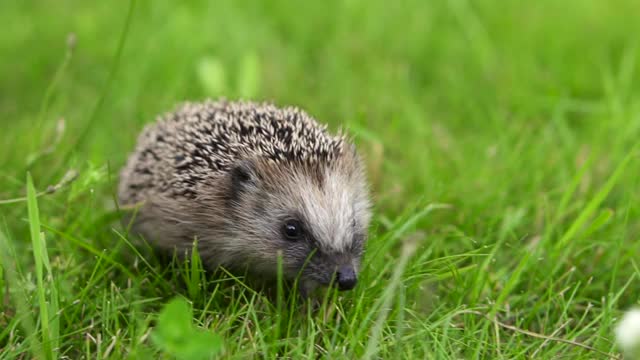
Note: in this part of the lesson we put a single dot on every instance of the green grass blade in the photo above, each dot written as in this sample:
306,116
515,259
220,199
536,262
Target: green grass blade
385,303
593,205
41,261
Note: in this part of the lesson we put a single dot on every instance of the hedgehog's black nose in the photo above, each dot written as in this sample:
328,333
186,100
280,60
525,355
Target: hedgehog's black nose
346,277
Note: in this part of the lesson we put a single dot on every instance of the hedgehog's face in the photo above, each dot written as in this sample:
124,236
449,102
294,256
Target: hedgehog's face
316,217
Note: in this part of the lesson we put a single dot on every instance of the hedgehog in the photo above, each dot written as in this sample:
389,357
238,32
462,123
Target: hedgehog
247,184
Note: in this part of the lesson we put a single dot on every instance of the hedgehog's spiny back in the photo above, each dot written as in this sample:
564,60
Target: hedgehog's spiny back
202,140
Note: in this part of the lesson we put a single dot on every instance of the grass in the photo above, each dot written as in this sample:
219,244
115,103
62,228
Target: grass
501,140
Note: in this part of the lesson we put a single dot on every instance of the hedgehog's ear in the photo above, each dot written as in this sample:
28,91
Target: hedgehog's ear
243,174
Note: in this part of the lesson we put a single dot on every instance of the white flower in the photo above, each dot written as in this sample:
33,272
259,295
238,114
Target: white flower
628,331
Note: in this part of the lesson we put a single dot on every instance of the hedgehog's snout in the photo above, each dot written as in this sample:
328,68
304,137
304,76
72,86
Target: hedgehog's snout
346,277
335,270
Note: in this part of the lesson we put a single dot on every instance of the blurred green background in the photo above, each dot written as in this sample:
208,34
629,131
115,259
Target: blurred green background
516,114
436,83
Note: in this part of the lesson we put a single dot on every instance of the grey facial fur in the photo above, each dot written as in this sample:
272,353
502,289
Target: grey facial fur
233,174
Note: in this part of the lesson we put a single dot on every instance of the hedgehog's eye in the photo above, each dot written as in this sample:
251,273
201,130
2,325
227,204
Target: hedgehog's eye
292,229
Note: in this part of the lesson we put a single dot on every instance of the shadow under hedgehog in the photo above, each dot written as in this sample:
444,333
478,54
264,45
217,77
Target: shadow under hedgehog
251,181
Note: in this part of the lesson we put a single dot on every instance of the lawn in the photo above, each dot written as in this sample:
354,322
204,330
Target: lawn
500,140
